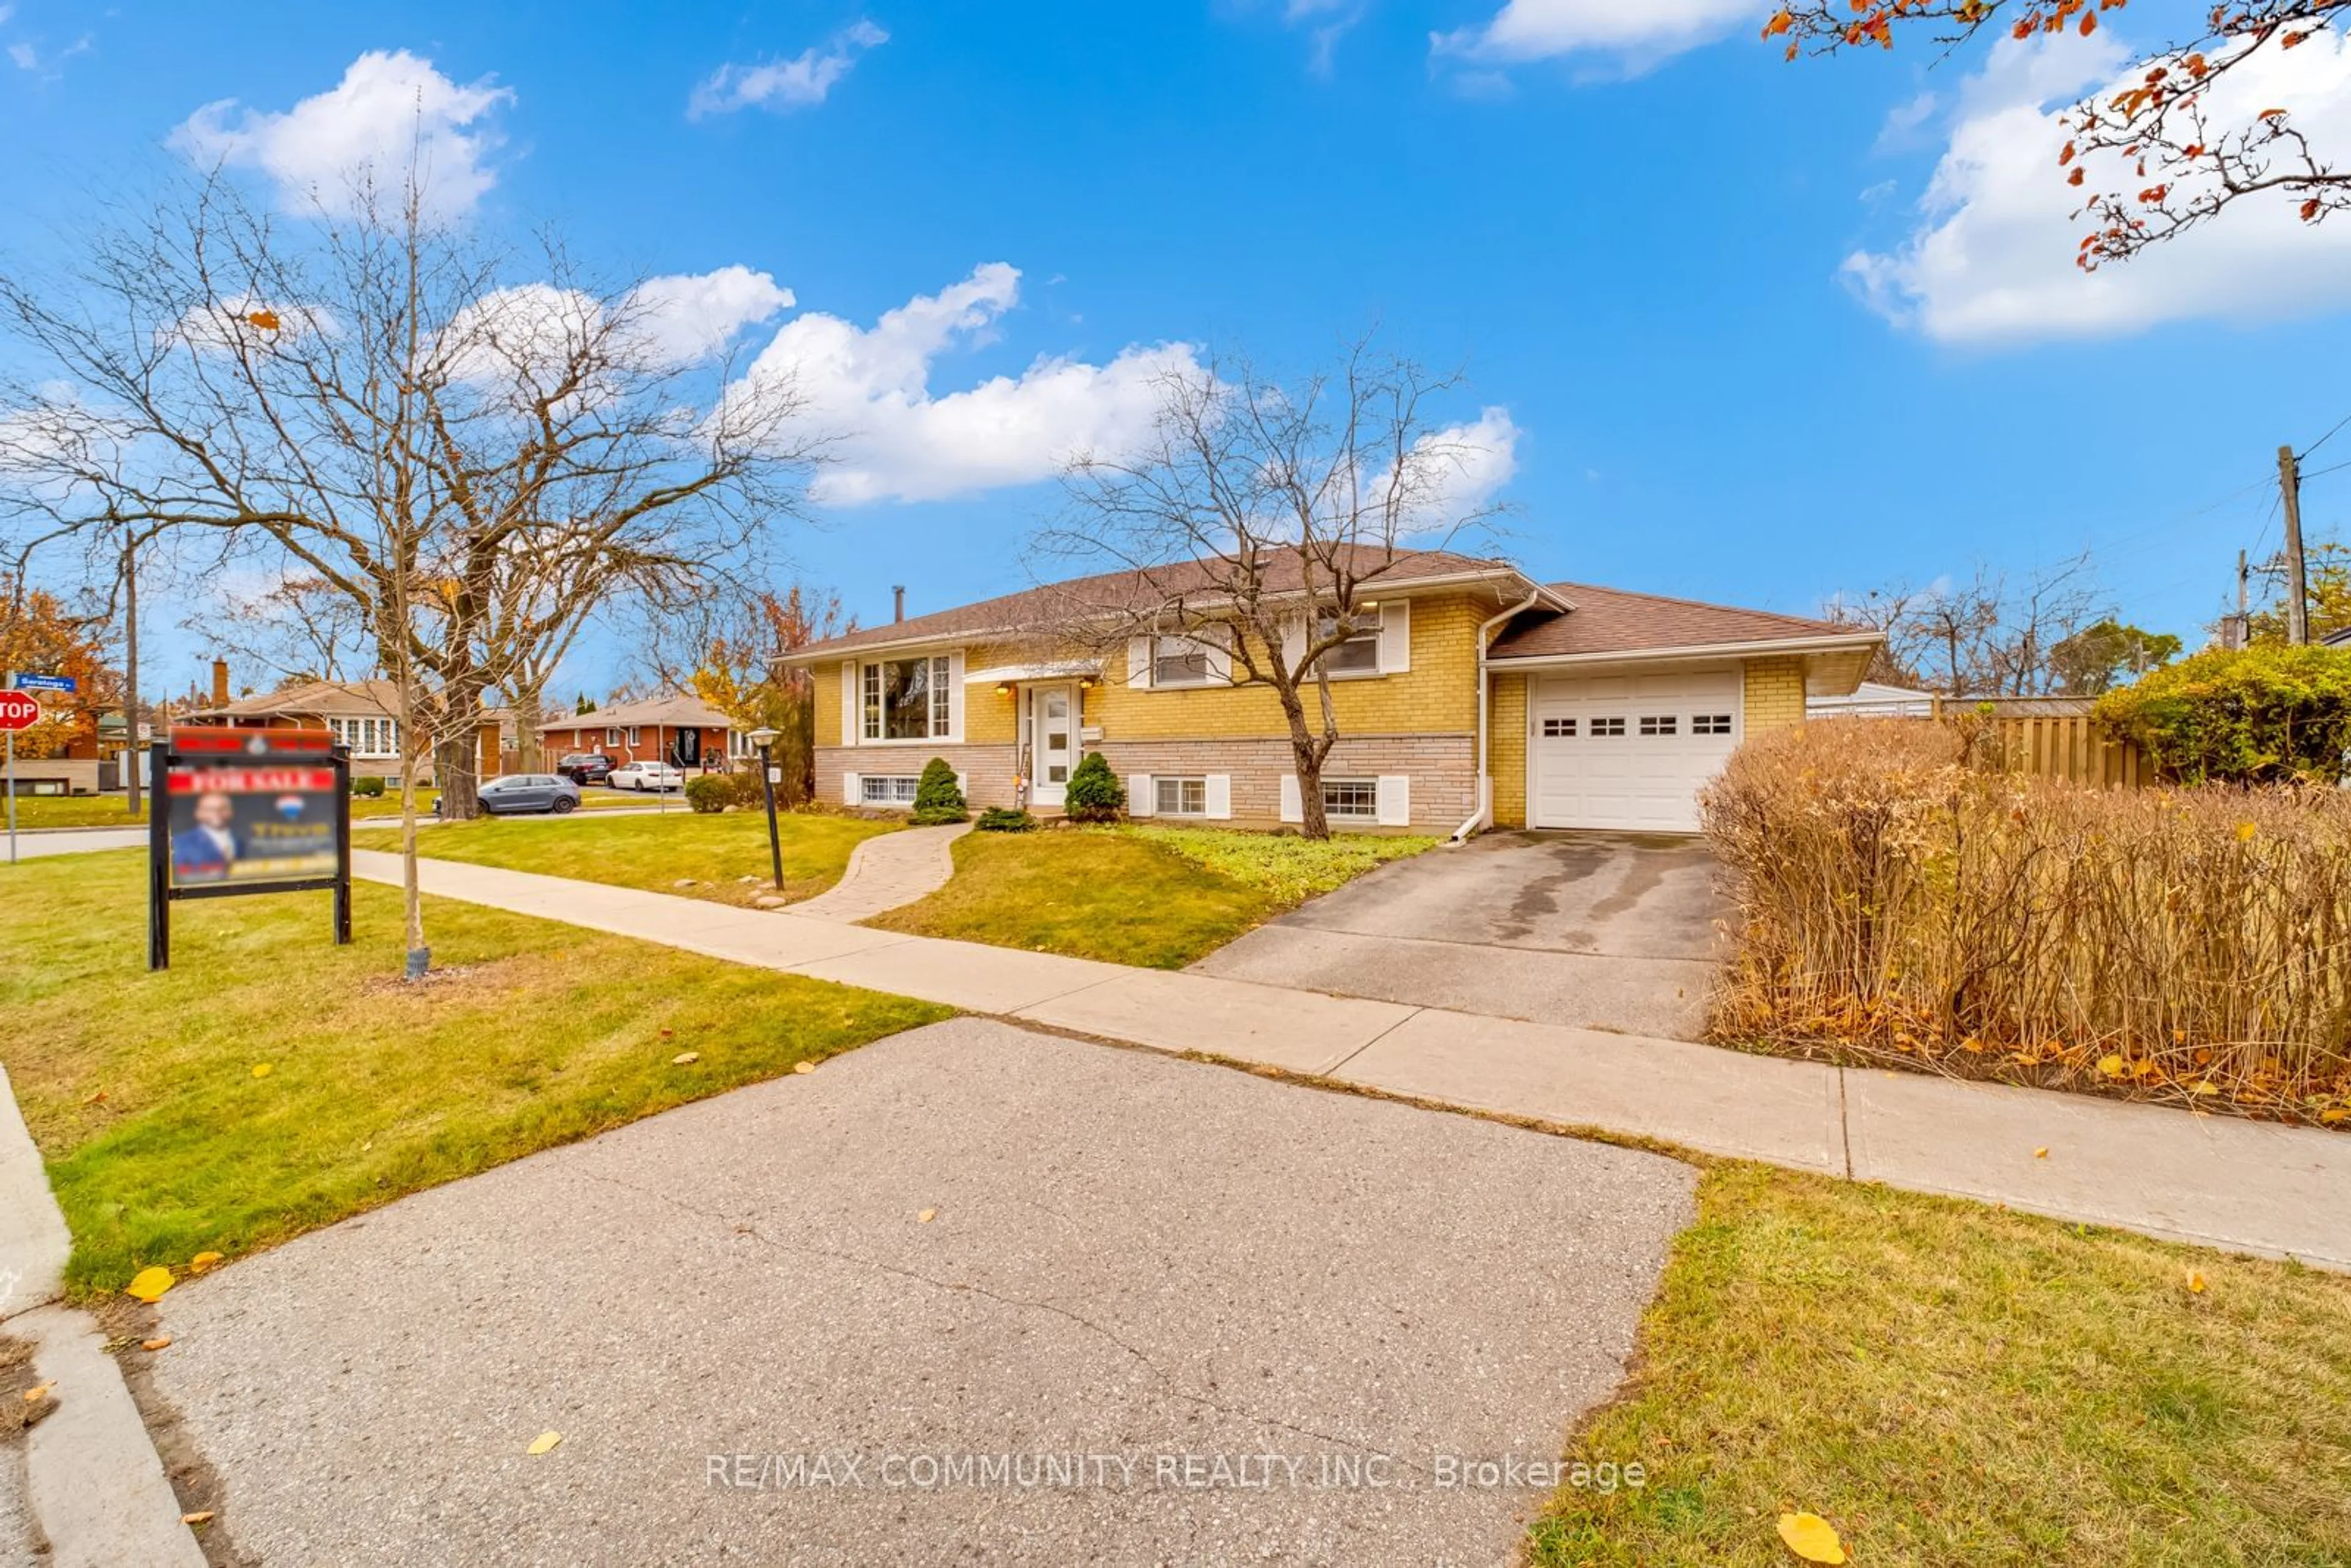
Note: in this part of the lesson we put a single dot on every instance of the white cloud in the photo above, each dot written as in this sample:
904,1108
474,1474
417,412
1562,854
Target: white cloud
1640,35
1992,256
25,56
800,82
388,105
670,322
895,439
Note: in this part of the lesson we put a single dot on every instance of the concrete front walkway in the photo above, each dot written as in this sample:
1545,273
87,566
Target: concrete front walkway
888,870
2217,1180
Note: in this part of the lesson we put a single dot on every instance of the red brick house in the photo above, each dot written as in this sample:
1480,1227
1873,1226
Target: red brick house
677,727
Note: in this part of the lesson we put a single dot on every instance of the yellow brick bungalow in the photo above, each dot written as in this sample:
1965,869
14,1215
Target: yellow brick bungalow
1476,697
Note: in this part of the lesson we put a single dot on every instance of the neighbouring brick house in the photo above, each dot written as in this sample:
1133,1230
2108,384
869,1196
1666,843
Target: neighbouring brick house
1481,696
676,727
362,715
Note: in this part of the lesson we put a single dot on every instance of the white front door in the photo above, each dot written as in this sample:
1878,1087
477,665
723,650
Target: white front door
1054,744
1629,751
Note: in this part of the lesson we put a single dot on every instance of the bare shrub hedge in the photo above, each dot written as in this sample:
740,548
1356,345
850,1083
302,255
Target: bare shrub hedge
1897,902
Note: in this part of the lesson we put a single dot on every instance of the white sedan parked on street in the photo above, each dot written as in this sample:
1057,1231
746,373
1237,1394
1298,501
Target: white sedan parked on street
648,775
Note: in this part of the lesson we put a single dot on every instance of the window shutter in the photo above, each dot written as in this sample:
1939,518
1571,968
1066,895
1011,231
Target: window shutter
955,695
1395,636
1293,804
1141,798
851,710
1221,796
1218,641
1393,803
1138,663
852,787
963,785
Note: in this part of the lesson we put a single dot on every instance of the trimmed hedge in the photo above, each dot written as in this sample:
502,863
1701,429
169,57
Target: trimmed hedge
1005,820
370,785
2262,715
1095,794
937,797
710,793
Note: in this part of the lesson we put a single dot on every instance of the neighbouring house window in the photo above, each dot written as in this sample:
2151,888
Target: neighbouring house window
1710,724
1359,653
1181,797
367,737
611,737
1180,661
633,733
1601,726
1558,728
908,699
1661,723
1351,798
887,790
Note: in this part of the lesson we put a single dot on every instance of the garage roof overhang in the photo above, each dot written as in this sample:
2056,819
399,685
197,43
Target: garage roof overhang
1833,665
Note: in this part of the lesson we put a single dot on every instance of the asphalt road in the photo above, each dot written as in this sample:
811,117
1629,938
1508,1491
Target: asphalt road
1208,1318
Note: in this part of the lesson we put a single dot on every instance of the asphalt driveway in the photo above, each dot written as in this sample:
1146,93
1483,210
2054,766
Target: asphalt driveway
1598,930
1158,1312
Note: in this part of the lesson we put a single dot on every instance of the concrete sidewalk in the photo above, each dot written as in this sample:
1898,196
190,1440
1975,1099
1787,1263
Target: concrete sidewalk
886,871
2244,1186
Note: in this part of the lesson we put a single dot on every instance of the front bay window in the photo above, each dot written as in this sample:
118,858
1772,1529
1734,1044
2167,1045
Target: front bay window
908,699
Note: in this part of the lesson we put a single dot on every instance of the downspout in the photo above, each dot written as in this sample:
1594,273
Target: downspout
1483,817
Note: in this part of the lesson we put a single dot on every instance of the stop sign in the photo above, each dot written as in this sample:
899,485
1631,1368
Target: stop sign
18,710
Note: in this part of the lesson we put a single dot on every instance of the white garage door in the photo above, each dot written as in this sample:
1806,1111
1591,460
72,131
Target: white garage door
1629,751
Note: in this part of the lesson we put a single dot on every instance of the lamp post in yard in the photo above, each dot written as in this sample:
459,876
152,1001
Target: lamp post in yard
763,738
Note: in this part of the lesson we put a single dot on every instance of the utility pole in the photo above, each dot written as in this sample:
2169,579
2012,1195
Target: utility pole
134,754
2297,587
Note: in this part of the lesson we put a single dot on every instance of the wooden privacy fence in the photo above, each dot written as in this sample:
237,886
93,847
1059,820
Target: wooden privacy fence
2054,737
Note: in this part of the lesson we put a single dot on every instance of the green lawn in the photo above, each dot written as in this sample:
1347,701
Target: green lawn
74,811
1952,1383
715,850
162,1143
108,810
1155,896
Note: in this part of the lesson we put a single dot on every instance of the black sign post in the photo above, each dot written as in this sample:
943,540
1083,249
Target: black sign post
246,811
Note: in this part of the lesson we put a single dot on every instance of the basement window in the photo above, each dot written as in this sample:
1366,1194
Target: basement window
1181,797
1352,799
887,789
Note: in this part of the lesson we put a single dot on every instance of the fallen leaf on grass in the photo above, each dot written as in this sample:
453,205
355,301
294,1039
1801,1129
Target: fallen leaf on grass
261,1070
1812,1538
38,1392
97,1099
685,1058
543,1442
803,1067
202,1261
160,1342
926,1216
2195,1281
2112,1065
150,1283
202,1516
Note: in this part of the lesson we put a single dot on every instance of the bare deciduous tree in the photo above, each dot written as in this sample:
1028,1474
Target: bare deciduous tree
424,430
1987,636
1257,522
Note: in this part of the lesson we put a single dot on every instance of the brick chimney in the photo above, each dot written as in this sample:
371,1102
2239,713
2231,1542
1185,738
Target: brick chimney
220,682
899,592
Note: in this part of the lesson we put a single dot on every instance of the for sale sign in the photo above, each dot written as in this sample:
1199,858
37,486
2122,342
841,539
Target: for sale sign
246,811
252,824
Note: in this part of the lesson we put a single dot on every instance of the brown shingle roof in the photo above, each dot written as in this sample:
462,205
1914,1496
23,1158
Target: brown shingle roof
678,710
377,699
1613,621
1039,609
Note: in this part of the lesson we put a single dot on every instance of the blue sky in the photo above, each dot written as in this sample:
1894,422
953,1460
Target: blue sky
1734,355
